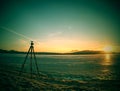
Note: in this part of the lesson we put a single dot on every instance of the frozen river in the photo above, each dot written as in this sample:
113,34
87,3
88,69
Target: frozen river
75,67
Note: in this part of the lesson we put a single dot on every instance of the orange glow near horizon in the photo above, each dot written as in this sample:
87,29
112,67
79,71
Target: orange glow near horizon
63,48
62,45
66,45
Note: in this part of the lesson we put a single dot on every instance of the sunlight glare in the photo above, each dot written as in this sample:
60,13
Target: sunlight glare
108,49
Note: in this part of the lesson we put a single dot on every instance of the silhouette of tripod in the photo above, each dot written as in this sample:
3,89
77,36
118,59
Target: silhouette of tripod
32,56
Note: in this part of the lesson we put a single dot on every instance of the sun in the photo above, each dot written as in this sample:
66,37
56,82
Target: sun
108,49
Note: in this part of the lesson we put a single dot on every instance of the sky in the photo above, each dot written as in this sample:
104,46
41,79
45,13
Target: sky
60,25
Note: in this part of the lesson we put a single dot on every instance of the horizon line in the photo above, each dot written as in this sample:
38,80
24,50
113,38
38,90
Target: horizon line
100,51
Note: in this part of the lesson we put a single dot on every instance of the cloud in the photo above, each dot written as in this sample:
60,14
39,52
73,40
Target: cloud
55,34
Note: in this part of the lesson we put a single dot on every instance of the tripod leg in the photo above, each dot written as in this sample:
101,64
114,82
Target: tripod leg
31,61
24,62
36,62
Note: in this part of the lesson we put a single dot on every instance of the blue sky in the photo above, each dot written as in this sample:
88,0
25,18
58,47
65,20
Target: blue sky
59,25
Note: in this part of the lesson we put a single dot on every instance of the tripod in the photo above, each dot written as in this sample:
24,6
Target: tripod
32,56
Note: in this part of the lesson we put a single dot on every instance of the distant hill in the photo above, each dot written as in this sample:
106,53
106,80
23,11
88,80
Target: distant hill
88,52
54,53
10,51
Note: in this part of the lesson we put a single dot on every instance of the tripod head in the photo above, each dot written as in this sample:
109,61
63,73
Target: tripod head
32,43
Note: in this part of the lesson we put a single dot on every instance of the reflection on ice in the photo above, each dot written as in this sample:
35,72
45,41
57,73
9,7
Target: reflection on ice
107,57
106,72
107,60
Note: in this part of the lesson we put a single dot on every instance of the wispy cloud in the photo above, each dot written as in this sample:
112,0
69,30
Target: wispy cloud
54,34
